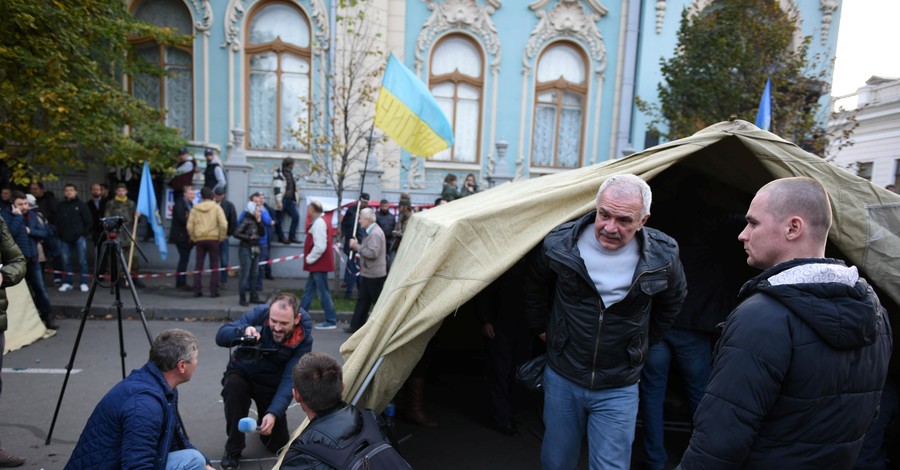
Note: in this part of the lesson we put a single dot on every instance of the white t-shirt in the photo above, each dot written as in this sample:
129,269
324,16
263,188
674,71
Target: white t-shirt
611,270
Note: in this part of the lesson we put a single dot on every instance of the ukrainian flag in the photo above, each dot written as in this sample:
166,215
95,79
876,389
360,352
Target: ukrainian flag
408,113
146,205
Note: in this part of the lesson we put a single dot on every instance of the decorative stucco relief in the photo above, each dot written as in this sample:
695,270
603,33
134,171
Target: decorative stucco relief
660,15
204,7
235,14
789,6
458,15
828,8
566,20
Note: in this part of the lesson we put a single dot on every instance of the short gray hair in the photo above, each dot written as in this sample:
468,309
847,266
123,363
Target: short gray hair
171,346
629,185
368,213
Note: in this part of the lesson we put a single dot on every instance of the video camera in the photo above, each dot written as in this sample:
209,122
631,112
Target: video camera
249,349
112,224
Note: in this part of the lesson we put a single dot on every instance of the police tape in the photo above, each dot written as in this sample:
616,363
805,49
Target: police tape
202,271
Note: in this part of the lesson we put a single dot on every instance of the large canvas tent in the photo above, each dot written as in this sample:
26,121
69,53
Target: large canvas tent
452,252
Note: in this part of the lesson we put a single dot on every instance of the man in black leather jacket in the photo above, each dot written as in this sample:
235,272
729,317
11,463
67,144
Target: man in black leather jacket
318,385
602,288
802,360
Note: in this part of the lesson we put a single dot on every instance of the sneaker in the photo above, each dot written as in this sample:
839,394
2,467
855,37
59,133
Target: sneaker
66,287
84,287
325,326
57,281
231,462
9,460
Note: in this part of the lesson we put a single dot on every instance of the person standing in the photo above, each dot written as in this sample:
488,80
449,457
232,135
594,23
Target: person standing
318,261
231,217
185,166
802,360
249,232
13,268
27,230
137,423
207,228
449,192
351,216
74,224
469,186
285,188
178,234
372,267
97,206
387,221
602,288
214,174
47,203
121,206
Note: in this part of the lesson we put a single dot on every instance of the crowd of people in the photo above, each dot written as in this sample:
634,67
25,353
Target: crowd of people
795,379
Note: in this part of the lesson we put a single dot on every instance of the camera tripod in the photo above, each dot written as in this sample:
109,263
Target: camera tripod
110,251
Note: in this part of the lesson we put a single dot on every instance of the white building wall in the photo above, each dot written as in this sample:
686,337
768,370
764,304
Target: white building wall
877,138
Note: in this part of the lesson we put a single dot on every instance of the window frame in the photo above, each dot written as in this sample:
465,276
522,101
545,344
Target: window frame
140,41
278,47
455,78
561,86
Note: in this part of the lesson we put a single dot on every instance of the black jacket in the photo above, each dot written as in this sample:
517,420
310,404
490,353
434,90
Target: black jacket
589,343
73,219
798,373
334,428
178,233
249,232
230,215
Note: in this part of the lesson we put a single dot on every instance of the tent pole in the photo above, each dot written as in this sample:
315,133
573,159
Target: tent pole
368,380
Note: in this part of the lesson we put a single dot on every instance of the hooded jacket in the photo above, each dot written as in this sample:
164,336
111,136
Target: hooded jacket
589,343
13,269
798,372
207,222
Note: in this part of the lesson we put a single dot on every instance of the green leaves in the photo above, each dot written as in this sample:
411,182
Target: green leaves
61,88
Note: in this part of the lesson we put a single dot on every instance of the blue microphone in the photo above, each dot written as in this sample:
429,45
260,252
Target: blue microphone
247,425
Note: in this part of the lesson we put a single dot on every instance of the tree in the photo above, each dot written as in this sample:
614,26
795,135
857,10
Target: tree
62,102
339,142
723,58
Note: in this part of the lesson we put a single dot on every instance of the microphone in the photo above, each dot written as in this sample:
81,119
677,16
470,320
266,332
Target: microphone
247,425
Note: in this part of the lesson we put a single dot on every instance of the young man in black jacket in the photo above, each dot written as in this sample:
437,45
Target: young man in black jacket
74,224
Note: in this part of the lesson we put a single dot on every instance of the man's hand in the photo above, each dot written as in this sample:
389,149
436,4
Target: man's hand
354,245
251,331
488,330
268,422
278,207
543,336
15,210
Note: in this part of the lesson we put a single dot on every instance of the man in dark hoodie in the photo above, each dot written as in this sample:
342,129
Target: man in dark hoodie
802,360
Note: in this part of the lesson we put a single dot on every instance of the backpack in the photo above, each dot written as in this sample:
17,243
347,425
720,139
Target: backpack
368,450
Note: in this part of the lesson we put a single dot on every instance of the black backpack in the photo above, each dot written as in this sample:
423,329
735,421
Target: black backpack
368,450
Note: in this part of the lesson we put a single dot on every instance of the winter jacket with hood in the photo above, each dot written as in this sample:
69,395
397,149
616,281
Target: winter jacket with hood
207,222
798,372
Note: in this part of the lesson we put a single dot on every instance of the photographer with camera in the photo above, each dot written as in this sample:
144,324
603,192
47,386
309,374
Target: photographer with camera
267,342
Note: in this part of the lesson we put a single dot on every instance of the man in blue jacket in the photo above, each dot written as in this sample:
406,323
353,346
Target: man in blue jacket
802,360
136,425
269,340
602,289
27,230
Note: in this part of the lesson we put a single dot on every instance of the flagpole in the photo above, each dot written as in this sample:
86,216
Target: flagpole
133,242
362,183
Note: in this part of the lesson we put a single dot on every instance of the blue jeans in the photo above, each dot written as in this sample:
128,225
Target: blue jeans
35,280
80,248
317,283
187,459
692,353
608,415
249,272
289,207
223,260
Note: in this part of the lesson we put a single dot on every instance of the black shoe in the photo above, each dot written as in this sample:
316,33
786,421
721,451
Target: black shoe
51,325
139,283
231,462
270,277
284,240
198,294
256,300
214,295
294,240
349,330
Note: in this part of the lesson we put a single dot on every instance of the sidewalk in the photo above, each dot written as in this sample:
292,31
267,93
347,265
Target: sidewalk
161,300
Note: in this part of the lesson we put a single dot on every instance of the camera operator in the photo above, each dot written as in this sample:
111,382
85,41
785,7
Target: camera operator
269,340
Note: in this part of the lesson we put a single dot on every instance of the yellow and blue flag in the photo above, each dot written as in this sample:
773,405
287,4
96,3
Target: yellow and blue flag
408,113
146,205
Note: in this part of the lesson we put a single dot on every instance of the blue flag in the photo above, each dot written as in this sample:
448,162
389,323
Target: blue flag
764,114
146,205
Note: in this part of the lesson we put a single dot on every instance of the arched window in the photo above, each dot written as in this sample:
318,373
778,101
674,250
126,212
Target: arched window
173,92
278,73
457,82
560,94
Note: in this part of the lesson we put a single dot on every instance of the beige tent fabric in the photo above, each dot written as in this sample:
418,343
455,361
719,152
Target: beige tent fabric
25,325
453,251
